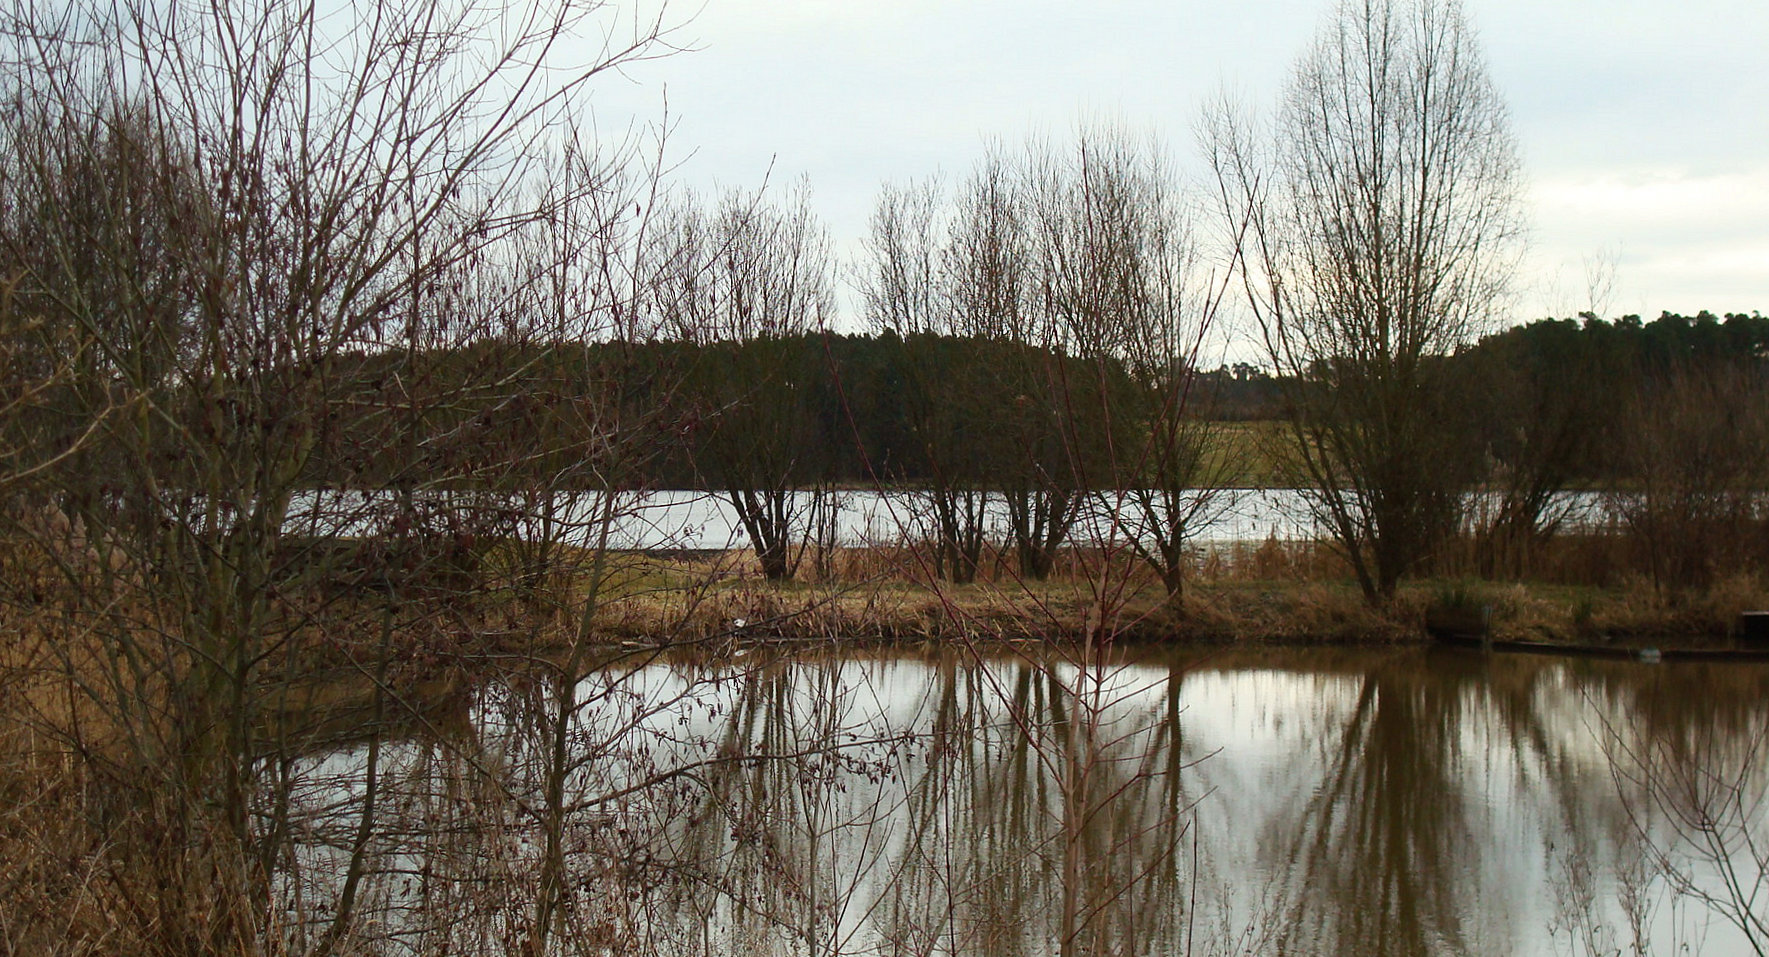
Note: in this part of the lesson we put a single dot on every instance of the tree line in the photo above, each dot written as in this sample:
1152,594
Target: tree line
1537,410
847,401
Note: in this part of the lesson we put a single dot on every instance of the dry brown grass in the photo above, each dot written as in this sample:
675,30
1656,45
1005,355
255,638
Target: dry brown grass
1273,590
1630,613
98,854
1637,610
1267,591
56,743
1271,560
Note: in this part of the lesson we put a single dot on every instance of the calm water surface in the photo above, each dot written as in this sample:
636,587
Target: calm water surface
1282,802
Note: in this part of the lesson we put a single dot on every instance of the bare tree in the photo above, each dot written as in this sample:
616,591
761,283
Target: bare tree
919,281
956,280
1120,286
749,282
233,210
1380,225
568,357
1004,257
1070,278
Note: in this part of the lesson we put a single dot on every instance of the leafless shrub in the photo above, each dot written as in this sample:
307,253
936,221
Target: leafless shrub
1697,443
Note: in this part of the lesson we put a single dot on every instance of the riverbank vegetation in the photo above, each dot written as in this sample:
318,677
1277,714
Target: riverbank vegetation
335,361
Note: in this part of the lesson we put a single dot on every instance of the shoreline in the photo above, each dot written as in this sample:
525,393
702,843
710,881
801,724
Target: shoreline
899,605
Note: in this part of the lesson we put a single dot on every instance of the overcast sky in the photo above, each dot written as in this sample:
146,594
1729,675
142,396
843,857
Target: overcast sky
1644,124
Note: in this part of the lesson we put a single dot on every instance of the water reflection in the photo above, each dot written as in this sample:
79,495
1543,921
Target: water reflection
1379,857
1283,802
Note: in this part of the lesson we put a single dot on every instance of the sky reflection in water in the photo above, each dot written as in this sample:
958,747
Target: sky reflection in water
1278,802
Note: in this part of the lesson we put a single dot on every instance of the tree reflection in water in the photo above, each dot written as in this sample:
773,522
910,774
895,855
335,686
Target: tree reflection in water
1383,803
1372,864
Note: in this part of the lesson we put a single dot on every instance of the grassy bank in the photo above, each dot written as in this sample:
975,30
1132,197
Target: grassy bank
327,654
1260,593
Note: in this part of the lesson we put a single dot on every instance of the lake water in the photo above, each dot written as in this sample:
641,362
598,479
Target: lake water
1274,802
668,519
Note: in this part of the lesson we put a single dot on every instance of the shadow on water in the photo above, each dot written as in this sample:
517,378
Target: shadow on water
1283,801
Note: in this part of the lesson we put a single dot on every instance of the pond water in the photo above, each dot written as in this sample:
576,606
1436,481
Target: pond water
1273,802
